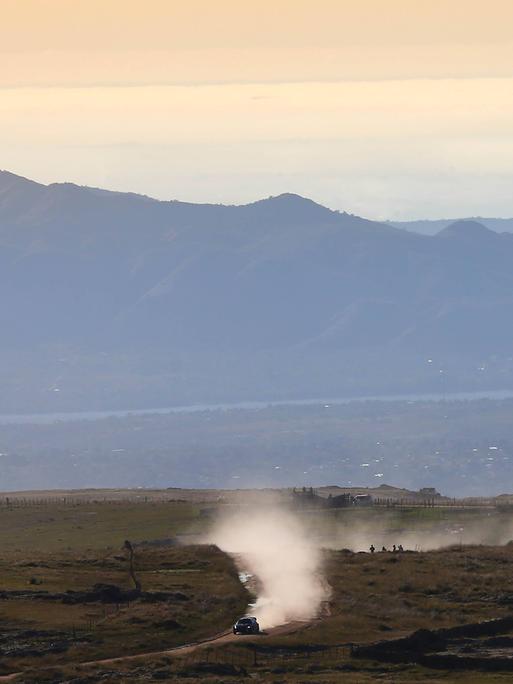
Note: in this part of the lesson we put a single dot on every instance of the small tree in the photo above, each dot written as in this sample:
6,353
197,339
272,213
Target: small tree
130,550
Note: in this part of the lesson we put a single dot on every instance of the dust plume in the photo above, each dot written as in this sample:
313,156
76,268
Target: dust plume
418,534
275,547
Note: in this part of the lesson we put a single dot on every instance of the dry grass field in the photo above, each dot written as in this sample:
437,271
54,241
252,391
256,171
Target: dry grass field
191,592
53,611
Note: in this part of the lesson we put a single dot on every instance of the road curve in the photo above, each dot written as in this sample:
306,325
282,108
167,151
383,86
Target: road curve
222,638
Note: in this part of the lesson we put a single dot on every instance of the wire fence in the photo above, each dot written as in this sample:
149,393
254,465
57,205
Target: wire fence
31,501
436,503
9,502
255,656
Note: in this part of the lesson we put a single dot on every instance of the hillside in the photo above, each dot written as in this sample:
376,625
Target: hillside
112,299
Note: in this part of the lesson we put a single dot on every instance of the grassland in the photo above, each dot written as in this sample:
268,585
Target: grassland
50,550
193,592
55,527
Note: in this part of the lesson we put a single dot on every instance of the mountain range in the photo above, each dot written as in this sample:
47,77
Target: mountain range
433,226
118,300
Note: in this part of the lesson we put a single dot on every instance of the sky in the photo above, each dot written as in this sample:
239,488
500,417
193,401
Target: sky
398,109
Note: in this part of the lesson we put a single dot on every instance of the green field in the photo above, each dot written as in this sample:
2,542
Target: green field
89,526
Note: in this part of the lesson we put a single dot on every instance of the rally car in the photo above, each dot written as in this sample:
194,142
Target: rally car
246,625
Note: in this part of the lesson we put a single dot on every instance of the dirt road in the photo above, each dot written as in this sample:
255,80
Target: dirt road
222,638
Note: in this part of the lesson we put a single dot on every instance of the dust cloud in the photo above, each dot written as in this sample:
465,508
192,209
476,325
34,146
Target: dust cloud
274,546
490,528
283,550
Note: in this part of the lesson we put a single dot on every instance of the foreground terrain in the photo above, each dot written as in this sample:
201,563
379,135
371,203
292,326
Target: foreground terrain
66,596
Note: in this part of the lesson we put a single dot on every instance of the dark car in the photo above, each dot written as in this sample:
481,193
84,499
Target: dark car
246,625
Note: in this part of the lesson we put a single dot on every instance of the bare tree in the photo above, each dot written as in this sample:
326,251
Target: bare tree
130,549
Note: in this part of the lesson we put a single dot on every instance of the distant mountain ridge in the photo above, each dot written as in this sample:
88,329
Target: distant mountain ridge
113,297
434,226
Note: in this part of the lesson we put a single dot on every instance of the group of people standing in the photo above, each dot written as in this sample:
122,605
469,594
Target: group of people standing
395,549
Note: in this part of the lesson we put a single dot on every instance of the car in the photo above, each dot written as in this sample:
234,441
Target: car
246,625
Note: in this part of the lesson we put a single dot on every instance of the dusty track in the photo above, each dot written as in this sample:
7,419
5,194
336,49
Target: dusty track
222,638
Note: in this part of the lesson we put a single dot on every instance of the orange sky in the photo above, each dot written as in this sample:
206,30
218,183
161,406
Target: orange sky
399,108
173,24
111,41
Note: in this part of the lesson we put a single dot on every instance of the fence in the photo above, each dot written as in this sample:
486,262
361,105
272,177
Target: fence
255,656
29,501
8,502
436,503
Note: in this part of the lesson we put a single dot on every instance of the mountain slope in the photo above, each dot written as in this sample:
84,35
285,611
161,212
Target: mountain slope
268,297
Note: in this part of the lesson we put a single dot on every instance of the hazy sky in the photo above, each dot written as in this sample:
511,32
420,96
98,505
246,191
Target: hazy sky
399,108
